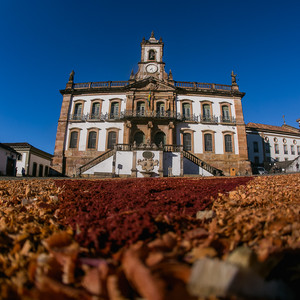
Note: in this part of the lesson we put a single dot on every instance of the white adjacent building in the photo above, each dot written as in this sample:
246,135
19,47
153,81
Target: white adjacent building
8,159
268,144
151,125
33,161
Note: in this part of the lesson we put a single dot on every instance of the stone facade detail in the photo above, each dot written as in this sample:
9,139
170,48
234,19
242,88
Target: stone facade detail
152,107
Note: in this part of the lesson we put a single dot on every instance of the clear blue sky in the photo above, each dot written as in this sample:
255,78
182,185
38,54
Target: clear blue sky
42,41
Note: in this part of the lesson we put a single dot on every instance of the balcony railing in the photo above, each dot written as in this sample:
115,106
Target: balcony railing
202,85
128,114
227,119
180,84
208,119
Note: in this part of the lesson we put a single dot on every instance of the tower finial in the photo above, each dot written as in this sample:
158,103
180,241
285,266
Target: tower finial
283,117
170,75
152,34
131,75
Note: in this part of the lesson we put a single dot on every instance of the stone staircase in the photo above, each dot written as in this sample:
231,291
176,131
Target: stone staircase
214,171
95,161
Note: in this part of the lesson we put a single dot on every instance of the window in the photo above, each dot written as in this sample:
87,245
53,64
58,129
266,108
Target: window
292,150
276,149
41,168
112,140
73,139
140,108
95,110
114,112
298,150
255,146
46,171
92,140
34,169
186,110
208,142
151,55
267,147
228,143
187,142
160,109
139,138
256,160
160,138
285,149
77,111
20,157
225,113
286,159
206,112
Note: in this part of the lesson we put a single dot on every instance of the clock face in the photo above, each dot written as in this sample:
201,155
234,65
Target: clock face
151,68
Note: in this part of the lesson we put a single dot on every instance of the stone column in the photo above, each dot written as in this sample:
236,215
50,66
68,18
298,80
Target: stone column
161,163
134,170
150,126
170,133
127,129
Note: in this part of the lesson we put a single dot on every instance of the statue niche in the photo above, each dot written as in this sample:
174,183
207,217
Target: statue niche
151,55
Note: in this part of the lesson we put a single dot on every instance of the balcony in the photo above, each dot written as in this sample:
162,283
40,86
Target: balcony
208,119
227,119
162,115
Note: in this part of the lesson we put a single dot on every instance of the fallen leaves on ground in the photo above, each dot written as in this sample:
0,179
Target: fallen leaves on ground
254,227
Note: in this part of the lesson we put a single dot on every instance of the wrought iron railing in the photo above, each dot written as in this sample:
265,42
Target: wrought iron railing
227,119
128,114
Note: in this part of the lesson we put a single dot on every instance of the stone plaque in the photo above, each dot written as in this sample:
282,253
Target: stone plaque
148,154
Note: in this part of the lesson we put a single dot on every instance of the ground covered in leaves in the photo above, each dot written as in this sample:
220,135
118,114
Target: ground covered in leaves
150,238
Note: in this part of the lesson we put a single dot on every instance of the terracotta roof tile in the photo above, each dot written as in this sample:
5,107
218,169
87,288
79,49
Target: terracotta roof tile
283,128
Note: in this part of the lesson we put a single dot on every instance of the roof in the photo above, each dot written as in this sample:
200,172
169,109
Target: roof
27,146
265,127
6,147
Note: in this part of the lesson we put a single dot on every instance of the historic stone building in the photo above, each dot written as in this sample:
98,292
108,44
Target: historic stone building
151,125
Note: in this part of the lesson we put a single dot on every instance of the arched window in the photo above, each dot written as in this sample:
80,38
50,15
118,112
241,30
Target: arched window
95,110
151,55
160,109
208,146
187,141
140,108
225,113
159,138
92,140
73,139
77,111
111,140
114,111
139,138
228,143
186,110
206,112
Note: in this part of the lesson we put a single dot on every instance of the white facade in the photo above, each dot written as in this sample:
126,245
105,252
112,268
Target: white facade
268,144
31,161
8,159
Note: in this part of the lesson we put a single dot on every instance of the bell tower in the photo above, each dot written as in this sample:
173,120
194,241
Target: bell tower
151,63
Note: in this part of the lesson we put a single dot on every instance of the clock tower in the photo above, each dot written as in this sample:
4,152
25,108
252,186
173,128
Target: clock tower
151,63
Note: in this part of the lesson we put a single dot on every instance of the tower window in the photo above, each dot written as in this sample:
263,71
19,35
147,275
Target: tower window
151,55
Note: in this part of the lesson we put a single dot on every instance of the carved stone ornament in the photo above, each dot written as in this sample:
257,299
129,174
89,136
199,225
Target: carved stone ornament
147,163
128,124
